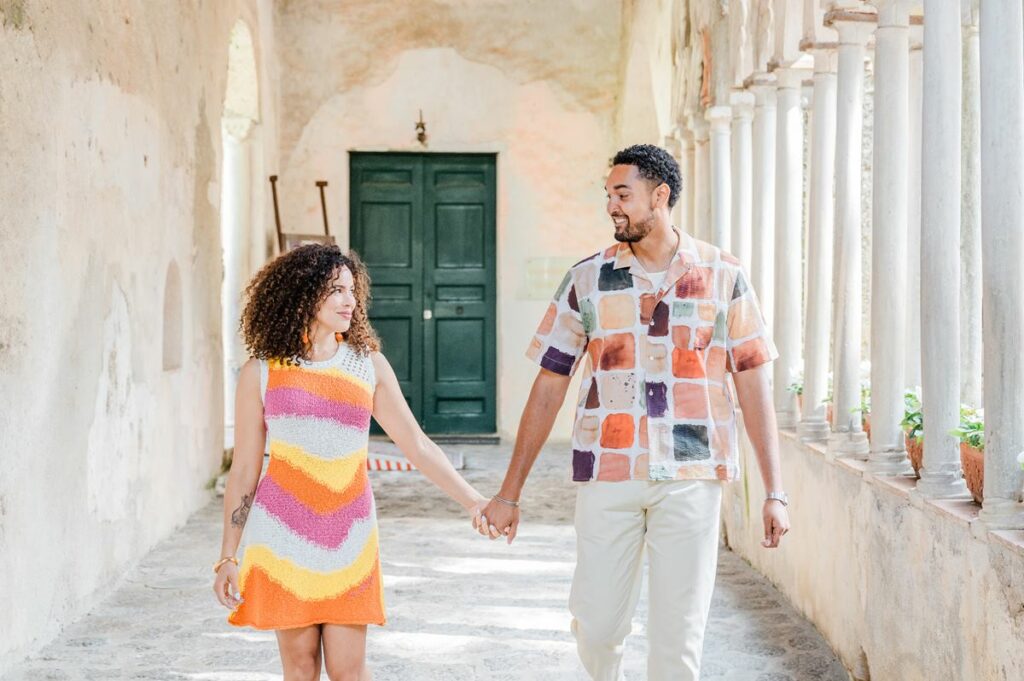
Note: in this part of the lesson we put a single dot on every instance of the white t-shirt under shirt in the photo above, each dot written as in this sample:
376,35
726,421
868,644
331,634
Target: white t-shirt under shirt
657,278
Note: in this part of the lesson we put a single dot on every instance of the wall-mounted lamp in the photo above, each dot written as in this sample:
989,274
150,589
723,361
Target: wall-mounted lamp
421,130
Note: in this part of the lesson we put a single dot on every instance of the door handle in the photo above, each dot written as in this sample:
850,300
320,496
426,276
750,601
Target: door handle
428,314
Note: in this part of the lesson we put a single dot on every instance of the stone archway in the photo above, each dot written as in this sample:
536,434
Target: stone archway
239,129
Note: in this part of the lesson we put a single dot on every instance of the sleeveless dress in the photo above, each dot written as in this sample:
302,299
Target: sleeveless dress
310,542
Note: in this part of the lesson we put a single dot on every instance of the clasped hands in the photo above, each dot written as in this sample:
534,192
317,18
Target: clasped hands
497,518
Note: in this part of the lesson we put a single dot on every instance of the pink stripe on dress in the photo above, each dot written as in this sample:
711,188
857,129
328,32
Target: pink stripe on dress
328,530
297,402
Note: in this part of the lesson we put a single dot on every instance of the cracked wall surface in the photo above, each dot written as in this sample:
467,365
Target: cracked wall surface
110,136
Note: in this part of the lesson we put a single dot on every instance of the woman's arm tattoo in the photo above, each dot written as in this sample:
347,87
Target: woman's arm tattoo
241,514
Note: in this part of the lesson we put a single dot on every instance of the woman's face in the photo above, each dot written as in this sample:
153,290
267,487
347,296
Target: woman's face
336,310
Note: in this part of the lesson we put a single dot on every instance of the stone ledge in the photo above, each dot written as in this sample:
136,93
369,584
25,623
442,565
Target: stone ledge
963,512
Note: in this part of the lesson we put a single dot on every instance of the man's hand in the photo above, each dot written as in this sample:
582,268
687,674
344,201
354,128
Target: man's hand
776,523
497,519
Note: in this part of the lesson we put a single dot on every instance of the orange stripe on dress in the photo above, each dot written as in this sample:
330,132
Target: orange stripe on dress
278,608
334,388
316,496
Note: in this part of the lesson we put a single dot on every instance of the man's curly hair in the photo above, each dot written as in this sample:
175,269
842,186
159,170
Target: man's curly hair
283,298
655,165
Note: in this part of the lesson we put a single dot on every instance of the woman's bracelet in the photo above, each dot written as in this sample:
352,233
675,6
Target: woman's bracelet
220,563
514,504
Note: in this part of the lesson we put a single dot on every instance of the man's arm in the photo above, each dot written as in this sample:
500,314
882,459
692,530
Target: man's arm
546,398
755,398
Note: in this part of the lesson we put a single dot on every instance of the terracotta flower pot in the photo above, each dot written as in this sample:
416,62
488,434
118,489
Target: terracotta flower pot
866,424
973,462
915,451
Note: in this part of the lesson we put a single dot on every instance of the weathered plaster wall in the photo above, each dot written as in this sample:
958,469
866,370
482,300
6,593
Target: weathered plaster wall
109,161
901,588
540,85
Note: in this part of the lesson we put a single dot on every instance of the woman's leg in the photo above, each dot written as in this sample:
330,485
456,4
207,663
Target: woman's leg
300,653
345,652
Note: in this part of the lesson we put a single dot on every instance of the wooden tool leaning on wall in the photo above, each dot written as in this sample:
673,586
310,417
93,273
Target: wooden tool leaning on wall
288,241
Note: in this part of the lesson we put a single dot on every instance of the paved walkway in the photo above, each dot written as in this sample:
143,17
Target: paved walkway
460,607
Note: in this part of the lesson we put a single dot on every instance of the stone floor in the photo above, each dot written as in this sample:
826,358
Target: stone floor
460,607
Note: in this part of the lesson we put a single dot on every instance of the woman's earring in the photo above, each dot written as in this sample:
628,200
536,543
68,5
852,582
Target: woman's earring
339,336
305,338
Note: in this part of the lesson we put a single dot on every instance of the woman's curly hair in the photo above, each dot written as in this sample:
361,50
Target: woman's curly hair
282,300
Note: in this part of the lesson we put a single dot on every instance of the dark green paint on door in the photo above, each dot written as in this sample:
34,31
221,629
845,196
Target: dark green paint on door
425,226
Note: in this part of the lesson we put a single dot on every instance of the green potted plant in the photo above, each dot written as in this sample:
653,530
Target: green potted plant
971,433
913,428
796,386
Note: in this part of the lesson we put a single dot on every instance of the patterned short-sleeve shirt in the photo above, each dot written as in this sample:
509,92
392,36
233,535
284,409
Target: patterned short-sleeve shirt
654,403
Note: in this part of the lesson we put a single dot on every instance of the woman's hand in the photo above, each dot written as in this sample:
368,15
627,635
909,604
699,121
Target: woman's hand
225,586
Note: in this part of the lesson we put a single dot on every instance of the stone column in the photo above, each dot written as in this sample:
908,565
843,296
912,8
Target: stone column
912,348
970,213
742,175
690,183
236,225
814,426
940,263
720,119
848,437
788,242
701,179
1002,223
763,205
683,207
889,237
673,145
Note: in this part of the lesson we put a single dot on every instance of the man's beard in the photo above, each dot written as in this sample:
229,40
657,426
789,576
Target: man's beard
633,233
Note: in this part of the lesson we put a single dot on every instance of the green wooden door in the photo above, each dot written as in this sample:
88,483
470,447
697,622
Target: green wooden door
425,225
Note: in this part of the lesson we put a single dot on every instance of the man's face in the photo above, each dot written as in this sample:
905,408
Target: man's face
631,203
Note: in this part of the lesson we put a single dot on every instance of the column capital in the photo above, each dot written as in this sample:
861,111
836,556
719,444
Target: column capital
892,12
760,81
742,103
853,27
720,118
790,77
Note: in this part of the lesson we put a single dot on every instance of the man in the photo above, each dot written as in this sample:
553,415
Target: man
661,318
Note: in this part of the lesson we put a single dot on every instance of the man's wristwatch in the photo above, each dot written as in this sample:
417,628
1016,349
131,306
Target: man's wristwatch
780,497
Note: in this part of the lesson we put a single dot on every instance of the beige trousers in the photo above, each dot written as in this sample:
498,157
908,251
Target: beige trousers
678,523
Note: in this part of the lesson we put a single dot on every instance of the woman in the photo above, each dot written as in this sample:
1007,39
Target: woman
311,568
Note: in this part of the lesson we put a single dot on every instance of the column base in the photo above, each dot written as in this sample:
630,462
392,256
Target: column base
1002,514
786,419
813,430
889,462
850,444
945,481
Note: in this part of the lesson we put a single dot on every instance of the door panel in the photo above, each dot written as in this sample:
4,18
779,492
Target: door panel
386,202
425,225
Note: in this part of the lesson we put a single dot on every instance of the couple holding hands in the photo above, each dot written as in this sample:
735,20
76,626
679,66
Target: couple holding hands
660,320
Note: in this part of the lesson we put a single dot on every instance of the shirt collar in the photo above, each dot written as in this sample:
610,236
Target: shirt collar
683,260
685,255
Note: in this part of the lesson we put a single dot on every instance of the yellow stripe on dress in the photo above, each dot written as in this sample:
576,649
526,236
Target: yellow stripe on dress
307,584
337,474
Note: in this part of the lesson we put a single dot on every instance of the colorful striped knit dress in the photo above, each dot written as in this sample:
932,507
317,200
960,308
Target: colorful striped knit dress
310,543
